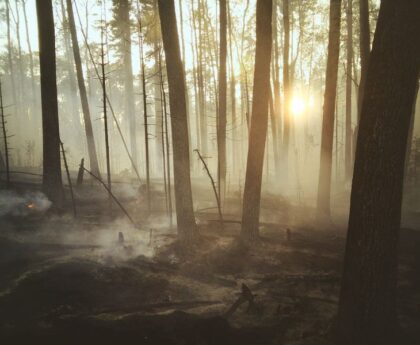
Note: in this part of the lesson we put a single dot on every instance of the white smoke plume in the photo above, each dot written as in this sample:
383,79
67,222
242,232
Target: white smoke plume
14,204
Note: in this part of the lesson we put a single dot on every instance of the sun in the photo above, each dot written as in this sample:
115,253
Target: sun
297,106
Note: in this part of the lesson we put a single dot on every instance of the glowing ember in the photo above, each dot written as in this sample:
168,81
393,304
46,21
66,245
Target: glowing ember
31,206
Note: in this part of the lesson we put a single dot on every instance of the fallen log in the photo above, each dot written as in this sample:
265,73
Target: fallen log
147,308
246,296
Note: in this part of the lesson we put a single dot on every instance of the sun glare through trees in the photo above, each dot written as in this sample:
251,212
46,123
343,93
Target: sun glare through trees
202,172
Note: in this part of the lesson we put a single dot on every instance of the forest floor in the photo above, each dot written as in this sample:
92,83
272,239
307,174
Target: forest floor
67,281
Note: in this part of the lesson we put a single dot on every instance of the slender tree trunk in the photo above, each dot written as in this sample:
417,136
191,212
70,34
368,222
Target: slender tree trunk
222,100
286,88
157,93
72,92
31,59
364,44
201,91
52,183
187,95
232,94
93,158
367,308
349,82
176,79
145,116
364,48
11,65
195,75
324,187
259,120
21,98
123,19
275,117
4,166
273,121
104,100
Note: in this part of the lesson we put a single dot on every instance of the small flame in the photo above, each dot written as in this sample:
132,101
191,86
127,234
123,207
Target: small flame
31,206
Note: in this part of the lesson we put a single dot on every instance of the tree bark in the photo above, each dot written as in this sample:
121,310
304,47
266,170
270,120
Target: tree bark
259,120
176,80
367,308
324,187
93,158
51,181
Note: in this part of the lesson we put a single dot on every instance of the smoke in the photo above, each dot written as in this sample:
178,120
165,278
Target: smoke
15,204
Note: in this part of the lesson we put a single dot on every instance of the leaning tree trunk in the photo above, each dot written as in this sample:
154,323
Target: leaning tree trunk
221,126
259,120
93,158
178,106
51,181
367,308
324,187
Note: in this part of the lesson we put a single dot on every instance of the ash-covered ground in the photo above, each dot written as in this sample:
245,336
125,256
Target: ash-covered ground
79,281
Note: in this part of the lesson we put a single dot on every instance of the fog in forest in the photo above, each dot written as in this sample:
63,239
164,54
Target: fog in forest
210,172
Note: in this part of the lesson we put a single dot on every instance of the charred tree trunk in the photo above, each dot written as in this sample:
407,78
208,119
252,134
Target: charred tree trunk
176,79
324,187
51,181
348,150
367,307
93,158
4,163
221,126
259,120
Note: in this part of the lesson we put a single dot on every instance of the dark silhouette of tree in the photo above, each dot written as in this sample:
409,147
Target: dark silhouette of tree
52,183
364,42
93,158
349,82
324,187
177,101
367,309
259,120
